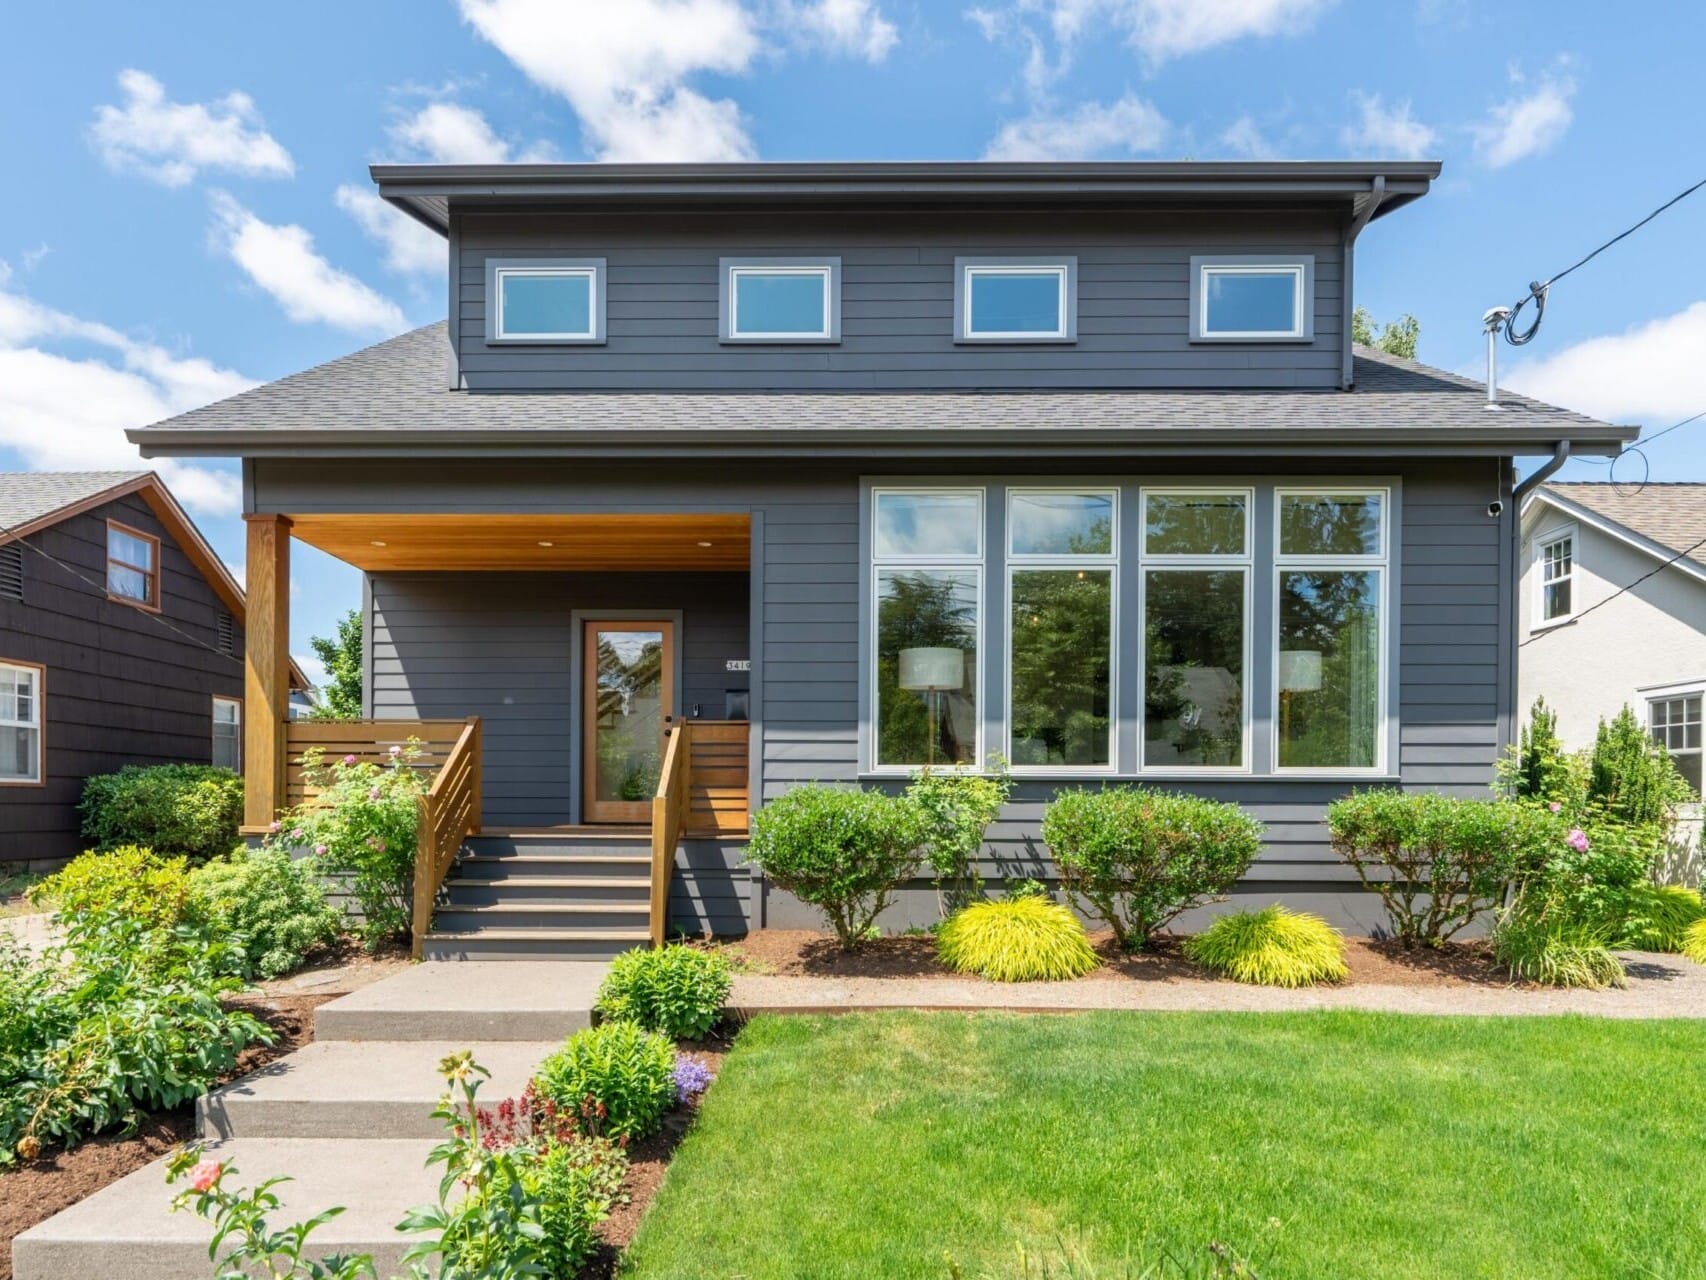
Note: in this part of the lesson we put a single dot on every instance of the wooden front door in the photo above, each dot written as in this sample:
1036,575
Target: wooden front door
627,700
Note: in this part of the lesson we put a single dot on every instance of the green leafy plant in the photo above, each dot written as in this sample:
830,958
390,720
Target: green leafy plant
1022,939
619,1077
1137,857
844,851
191,810
362,824
1272,947
1540,944
340,655
271,905
128,881
676,991
1657,917
1536,766
1631,777
1694,942
959,805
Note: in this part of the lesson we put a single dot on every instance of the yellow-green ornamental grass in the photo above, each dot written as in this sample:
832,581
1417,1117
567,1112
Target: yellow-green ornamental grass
1028,939
1272,947
1694,942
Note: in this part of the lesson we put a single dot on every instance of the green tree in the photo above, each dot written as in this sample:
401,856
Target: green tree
1396,339
340,696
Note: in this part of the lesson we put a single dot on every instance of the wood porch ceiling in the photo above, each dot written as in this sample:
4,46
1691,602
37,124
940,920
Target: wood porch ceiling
502,543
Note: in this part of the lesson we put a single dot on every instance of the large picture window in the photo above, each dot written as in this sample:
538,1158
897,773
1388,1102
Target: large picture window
1329,671
21,697
928,586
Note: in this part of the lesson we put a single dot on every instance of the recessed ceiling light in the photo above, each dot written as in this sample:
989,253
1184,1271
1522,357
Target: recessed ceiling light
378,543
704,544
544,543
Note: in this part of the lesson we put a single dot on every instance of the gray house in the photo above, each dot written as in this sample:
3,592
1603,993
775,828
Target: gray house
720,479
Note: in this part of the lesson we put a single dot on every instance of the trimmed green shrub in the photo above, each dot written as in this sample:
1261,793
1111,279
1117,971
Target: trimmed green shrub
1022,939
959,805
676,991
618,1077
1137,857
1272,947
129,881
1436,861
1656,917
271,905
1694,942
187,809
1631,777
1554,950
842,850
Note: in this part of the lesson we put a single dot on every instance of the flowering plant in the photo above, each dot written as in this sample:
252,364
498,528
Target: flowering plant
692,1077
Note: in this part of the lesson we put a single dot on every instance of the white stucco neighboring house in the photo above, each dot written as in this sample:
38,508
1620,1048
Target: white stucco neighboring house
1612,611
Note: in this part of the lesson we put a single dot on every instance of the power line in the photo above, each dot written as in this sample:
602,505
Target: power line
1634,447
1600,604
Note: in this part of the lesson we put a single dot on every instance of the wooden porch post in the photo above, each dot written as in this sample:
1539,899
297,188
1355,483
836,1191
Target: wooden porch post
266,668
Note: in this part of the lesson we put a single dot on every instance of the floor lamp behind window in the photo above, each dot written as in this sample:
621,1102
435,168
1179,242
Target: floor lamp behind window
1299,672
932,672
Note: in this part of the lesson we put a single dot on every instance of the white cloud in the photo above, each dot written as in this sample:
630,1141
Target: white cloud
1527,124
853,27
624,69
411,248
1126,126
70,387
171,142
283,262
451,133
1244,137
1158,29
1651,373
1388,133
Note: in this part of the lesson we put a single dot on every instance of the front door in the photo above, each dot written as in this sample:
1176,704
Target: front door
628,699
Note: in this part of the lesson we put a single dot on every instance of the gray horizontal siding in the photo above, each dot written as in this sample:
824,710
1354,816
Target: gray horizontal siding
897,311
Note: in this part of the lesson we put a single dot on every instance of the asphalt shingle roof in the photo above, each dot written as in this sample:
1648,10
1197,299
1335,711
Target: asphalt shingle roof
1671,514
26,496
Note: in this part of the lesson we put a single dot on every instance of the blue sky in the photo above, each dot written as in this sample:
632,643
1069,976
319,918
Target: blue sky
189,209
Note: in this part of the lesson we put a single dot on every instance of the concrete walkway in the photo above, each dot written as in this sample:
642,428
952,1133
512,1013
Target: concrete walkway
1660,986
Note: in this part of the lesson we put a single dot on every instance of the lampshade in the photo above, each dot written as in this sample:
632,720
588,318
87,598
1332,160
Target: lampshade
932,670
1299,670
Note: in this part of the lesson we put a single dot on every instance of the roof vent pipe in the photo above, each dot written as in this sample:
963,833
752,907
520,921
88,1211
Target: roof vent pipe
1493,324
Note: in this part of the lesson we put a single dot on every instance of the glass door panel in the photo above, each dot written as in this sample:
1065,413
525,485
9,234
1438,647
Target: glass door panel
628,701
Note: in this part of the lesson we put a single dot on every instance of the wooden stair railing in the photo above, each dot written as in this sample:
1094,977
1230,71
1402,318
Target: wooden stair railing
449,812
670,809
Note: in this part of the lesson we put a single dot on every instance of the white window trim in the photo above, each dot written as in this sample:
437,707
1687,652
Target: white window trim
1675,693
1091,562
238,703
1538,621
1245,564
730,271
37,777
1300,266
1065,269
1380,563
943,564
500,269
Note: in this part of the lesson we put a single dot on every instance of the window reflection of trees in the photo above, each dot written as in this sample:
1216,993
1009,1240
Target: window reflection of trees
1194,667
925,609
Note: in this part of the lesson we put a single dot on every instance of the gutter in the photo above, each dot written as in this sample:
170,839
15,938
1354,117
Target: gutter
1363,216
1560,455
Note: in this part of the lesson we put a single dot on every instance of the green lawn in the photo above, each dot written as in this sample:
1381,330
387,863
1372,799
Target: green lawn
1386,1146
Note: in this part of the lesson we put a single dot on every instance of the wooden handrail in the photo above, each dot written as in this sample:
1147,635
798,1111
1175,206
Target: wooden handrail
670,808
449,812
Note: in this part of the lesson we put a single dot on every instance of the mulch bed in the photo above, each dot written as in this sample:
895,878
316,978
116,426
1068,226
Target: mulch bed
34,1192
806,953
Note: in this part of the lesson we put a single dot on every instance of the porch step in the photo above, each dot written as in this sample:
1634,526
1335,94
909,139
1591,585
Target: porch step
504,866
526,844
458,917
481,891
464,1003
531,944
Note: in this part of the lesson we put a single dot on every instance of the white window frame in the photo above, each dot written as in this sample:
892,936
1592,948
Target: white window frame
38,777
732,270
1538,548
498,270
219,698
1676,693
1381,563
1064,269
949,563
1098,562
1245,564
1300,266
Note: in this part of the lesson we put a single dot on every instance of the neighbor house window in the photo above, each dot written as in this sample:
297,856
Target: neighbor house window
927,578
1252,299
1061,562
21,695
1555,572
1675,723
133,566
546,300
781,300
1016,299
1196,612
1330,576
228,733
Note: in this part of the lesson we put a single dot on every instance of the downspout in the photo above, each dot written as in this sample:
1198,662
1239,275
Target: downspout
1376,194
1560,455
1511,717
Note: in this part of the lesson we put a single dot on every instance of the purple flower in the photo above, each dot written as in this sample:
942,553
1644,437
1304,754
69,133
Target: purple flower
349,759
1577,840
692,1078
1555,807
373,794
322,849
396,751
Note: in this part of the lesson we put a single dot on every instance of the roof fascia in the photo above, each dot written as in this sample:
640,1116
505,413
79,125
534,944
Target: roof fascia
1615,529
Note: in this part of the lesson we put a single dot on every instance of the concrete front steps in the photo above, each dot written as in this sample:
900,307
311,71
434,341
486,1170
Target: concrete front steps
571,895
347,1118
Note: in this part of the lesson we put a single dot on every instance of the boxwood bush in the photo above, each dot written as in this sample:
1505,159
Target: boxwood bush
617,1077
842,850
676,991
1136,858
191,810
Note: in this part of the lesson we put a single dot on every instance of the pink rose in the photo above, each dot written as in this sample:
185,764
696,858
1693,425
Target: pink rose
1555,807
396,751
1577,840
275,826
322,850
349,759
205,1174
373,794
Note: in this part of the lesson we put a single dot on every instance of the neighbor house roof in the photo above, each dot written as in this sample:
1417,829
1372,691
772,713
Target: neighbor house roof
391,397
1665,519
34,500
